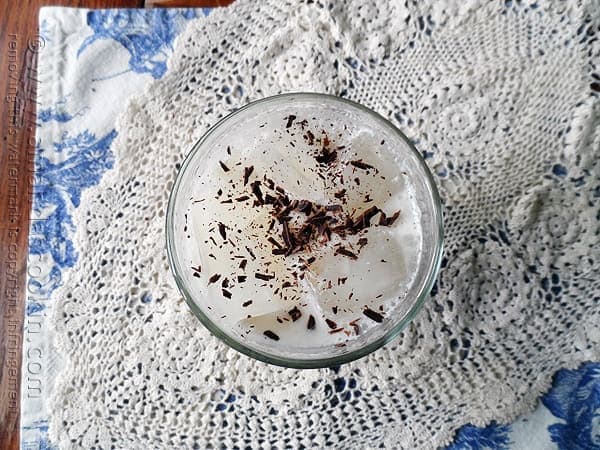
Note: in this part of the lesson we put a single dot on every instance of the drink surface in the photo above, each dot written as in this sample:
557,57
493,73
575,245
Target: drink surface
302,230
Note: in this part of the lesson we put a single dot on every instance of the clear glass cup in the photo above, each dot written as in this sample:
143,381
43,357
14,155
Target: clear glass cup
425,194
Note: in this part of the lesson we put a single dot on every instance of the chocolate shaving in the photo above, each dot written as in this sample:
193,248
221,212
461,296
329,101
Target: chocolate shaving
223,166
364,219
241,278
287,238
373,315
311,322
316,225
345,252
305,234
227,201
257,192
247,172
340,194
225,282
331,324
249,250
326,156
361,165
290,120
214,278
337,330
271,335
228,150
273,241
243,263
243,198
197,271
388,221
222,230
320,217
248,303
295,313
305,206
285,200
226,293
334,309
354,325
264,277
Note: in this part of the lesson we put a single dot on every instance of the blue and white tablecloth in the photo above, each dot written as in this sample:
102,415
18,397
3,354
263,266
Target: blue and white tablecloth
90,62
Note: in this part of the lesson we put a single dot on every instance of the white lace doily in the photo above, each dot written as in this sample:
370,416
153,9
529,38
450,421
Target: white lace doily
501,98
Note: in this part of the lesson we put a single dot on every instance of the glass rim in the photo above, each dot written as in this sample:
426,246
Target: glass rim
290,362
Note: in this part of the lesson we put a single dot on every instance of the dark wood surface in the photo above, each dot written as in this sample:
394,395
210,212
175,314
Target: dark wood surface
19,45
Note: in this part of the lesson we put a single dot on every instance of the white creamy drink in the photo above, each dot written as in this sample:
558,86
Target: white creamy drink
302,231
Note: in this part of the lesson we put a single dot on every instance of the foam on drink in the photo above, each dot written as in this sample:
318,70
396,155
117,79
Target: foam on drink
304,232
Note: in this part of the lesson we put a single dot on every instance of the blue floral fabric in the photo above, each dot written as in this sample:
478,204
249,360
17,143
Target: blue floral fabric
74,151
575,398
493,436
58,189
572,408
42,442
76,158
147,35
